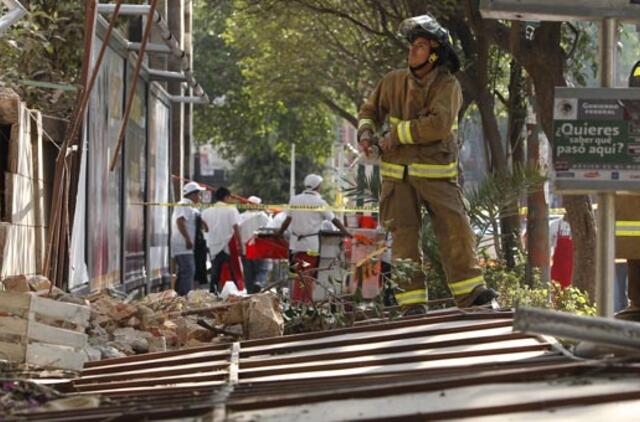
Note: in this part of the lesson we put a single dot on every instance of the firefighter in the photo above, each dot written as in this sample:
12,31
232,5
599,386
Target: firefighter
419,164
628,234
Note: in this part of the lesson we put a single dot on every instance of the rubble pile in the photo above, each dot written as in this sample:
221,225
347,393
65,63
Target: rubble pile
154,323
121,325
20,395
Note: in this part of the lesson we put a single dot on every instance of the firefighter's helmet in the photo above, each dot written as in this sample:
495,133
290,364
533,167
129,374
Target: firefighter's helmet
442,44
634,78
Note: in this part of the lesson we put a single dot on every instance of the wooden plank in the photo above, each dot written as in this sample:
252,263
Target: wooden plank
18,257
9,102
54,335
55,356
13,325
76,314
19,199
4,236
20,156
15,303
38,188
14,352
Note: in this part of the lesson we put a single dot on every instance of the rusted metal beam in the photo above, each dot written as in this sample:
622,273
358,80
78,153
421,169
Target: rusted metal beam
514,408
221,359
382,361
156,381
289,348
377,326
285,370
134,84
161,372
372,391
282,387
225,347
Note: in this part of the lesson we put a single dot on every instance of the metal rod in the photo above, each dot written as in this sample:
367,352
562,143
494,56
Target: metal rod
151,47
134,84
605,331
126,9
605,235
166,75
188,99
167,36
16,12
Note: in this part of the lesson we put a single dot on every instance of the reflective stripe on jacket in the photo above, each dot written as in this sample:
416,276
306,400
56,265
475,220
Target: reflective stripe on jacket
628,228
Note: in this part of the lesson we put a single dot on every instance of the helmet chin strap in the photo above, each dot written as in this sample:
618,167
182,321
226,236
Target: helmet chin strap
414,69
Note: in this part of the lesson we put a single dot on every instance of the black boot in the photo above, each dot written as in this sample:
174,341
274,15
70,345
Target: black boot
415,310
485,297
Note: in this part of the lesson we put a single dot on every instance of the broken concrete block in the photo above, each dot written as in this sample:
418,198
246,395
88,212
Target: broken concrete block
157,344
263,317
16,283
39,283
92,353
109,352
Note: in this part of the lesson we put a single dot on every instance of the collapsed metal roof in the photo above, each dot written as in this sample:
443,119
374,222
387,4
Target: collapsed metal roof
450,364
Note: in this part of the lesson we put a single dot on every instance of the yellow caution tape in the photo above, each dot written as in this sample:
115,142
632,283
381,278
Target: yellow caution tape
266,207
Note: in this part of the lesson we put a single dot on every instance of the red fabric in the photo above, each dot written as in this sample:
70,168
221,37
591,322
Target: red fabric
232,269
267,248
303,285
562,268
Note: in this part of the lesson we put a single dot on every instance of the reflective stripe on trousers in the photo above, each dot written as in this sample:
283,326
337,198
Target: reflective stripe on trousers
464,287
627,228
412,297
429,171
392,171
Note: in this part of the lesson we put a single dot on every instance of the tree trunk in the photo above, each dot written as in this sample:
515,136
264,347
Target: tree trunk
510,220
538,255
544,60
547,73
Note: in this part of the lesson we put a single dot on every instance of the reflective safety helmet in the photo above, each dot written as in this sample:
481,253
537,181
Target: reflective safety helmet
634,78
441,42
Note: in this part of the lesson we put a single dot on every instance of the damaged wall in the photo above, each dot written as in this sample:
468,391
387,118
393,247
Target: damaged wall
127,243
22,230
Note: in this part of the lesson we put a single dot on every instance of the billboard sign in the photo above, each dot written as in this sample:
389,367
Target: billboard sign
559,10
596,139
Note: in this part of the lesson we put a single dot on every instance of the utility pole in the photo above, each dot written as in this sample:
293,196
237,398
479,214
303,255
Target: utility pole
605,236
188,107
175,20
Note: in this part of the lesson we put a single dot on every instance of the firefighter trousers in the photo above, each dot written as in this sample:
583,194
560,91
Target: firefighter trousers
400,209
633,280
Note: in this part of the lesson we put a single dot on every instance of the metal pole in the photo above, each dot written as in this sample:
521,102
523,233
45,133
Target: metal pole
605,235
611,332
16,11
292,179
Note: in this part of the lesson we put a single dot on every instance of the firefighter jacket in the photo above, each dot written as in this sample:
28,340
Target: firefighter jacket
628,226
421,114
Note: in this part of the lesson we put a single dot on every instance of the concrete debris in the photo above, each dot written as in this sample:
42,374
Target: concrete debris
121,325
165,321
19,396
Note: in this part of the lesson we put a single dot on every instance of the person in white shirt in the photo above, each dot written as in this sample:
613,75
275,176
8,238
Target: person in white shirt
223,240
256,271
183,236
305,225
